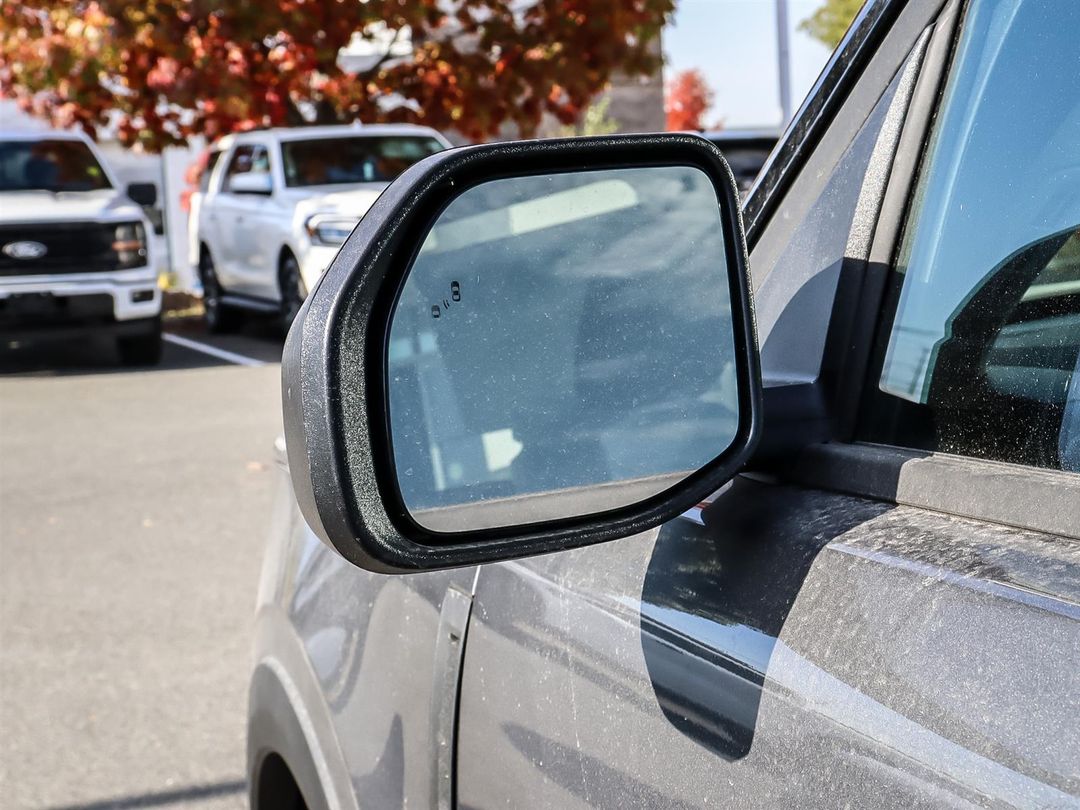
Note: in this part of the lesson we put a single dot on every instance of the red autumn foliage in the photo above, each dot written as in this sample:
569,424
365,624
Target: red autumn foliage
687,98
159,71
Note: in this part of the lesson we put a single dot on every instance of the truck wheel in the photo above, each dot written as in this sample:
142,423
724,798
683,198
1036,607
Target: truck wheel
219,317
141,350
293,290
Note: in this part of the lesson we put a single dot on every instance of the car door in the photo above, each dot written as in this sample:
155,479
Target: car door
240,255
263,221
885,610
226,211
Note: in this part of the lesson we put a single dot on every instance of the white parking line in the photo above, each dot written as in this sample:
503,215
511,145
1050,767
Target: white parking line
213,351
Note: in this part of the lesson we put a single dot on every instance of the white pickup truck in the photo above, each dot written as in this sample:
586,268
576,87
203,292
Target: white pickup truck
75,252
280,202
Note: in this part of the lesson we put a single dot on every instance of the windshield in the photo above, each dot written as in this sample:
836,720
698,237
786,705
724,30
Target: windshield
353,159
49,165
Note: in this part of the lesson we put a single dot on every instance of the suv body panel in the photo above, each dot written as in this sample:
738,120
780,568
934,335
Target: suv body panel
808,639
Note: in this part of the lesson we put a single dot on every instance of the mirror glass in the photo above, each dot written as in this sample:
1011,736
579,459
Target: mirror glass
562,346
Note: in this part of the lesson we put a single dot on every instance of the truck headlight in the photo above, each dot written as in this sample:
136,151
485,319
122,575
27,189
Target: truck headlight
329,231
129,245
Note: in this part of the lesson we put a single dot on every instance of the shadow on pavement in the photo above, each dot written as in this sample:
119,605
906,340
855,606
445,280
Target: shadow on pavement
56,358
258,341
162,798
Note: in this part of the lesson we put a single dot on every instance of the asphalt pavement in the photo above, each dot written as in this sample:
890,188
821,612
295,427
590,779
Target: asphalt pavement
134,506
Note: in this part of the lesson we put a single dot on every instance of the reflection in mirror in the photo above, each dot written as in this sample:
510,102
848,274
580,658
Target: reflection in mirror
562,346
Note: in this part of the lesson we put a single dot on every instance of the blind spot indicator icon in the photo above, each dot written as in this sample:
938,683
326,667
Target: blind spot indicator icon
455,291
435,311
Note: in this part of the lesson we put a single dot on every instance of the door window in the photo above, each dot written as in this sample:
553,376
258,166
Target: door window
56,165
246,159
352,159
211,161
981,356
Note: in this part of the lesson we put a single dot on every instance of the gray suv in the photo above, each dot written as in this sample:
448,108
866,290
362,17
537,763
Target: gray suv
603,489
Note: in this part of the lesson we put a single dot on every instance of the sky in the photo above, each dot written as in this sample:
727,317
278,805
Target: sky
733,42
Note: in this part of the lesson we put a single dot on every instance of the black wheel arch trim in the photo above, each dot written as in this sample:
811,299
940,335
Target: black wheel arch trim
273,728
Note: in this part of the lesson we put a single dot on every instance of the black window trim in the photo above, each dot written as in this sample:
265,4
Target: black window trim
853,372
801,413
1031,498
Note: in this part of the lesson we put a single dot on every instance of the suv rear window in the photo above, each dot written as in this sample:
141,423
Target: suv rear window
50,165
352,159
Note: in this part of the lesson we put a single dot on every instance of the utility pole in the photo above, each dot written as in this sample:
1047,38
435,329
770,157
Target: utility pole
783,60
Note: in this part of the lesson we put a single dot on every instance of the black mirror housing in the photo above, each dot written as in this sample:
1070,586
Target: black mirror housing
336,381
144,194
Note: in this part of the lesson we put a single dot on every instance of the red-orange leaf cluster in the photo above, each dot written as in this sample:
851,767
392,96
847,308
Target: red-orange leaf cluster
159,71
686,100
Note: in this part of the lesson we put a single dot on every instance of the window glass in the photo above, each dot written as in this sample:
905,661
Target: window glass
49,165
247,158
981,358
260,161
354,159
211,161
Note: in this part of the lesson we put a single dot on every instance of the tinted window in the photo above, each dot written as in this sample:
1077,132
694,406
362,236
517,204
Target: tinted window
354,159
49,165
981,357
212,159
246,158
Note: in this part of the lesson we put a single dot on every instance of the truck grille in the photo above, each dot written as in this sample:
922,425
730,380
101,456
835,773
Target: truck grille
70,247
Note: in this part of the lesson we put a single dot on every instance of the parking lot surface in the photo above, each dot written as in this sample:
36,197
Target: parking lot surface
134,504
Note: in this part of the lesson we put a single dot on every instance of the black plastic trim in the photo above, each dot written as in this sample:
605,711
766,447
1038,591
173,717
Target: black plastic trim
1030,498
867,270
335,363
274,729
883,300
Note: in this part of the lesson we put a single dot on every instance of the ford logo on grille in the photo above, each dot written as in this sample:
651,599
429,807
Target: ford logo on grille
24,250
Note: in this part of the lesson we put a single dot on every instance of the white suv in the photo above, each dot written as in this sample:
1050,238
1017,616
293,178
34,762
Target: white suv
75,252
279,204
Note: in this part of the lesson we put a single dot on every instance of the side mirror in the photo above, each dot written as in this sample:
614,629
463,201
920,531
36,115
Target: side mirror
143,194
522,348
251,183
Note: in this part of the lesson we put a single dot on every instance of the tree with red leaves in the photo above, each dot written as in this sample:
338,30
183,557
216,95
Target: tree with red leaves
687,99
160,71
